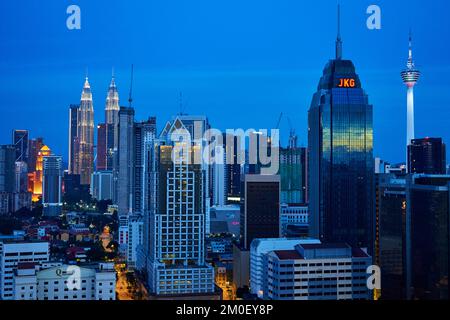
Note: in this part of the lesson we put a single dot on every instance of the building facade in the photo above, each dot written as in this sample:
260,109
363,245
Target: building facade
65,282
84,148
341,165
260,247
101,163
73,144
20,141
102,185
112,109
427,156
294,174
11,254
428,237
294,221
260,208
177,264
123,169
52,185
316,272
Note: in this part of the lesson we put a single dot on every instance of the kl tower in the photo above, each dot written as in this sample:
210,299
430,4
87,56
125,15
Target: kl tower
410,77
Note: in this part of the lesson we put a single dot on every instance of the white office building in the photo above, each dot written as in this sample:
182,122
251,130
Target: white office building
135,238
123,234
177,249
65,282
11,254
316,272
260,247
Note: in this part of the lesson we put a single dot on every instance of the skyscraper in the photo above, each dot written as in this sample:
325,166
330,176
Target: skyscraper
410,76
232,167
73,125
427,156
144,132
37,176
390,252
102,185
111,121
340,144
85,135
123,170
7,168
101,147
427,240
293,173
34,147
52,185
20,141
177,245
260,208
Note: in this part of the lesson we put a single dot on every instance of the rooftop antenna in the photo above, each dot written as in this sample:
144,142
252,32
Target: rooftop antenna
339,39
130,98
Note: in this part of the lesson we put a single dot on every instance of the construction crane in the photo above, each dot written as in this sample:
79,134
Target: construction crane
292,135
279,120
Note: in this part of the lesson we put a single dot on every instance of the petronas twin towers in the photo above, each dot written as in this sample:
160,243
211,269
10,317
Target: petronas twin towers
81,152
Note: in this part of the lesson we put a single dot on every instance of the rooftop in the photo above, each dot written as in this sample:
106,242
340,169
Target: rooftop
288,254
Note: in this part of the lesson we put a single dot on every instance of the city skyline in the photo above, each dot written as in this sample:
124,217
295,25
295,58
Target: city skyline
180,185
275,71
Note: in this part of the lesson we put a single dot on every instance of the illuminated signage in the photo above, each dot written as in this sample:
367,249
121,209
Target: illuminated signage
346,83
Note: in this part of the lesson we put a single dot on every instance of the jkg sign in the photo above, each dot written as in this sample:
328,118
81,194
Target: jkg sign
346,83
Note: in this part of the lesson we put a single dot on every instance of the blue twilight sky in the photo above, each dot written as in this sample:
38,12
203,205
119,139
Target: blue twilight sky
240,62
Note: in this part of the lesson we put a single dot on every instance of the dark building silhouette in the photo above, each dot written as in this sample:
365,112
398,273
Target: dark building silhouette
428,236
427,156
101,147
390,243
260,208
73,121
7,168
232,167
52,185
20,141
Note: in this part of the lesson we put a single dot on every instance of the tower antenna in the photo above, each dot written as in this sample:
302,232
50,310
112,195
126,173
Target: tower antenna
130,98
338,39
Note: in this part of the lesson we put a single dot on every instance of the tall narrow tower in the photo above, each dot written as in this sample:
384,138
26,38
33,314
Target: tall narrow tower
111,123
85,134
340,153
410,77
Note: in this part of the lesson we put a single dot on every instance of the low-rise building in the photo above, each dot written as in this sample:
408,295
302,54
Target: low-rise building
65,282
14,252
259,248
316,272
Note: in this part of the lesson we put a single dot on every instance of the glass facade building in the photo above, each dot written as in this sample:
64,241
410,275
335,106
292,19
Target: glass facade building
293,173
428,234
20,141
341,165
427,156
390,237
